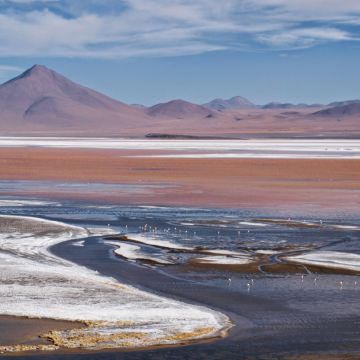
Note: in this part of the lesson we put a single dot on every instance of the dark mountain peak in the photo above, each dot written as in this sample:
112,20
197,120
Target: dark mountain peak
43,72
236,102
180,102
277,105
240,101
343,103
178,108
36,70
237,98
176,103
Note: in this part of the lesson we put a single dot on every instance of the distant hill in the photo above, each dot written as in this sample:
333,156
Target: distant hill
278,105
351,109
343,103
179,109
236,102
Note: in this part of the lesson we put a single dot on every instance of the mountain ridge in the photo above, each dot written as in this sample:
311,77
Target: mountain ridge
236,102
41,102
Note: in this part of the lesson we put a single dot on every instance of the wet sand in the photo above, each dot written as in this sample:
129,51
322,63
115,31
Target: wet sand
326,184
26,331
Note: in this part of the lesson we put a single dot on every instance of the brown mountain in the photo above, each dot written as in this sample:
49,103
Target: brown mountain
42,100
179,109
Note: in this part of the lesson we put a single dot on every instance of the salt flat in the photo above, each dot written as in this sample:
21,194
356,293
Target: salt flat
267,148
329,259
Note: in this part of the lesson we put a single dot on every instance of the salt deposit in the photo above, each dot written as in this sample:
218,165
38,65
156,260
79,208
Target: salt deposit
37,284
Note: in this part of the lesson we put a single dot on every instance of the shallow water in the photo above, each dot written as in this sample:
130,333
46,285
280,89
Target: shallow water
31,186
277,315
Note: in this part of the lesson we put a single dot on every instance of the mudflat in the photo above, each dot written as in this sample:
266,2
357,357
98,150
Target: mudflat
27,331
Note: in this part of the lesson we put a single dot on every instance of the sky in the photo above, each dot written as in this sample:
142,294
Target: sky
150,51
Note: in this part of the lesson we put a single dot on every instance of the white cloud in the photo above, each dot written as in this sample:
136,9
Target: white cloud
174,27
316,9
304,37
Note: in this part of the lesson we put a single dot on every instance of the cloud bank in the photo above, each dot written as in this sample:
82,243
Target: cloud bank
137,28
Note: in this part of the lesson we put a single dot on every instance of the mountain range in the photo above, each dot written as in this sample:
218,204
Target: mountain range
236,102
40,101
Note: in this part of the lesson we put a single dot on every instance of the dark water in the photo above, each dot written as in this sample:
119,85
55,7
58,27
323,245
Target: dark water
211,228
280,315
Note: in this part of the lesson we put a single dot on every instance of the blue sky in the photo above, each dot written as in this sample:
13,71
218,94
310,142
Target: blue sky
149,51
